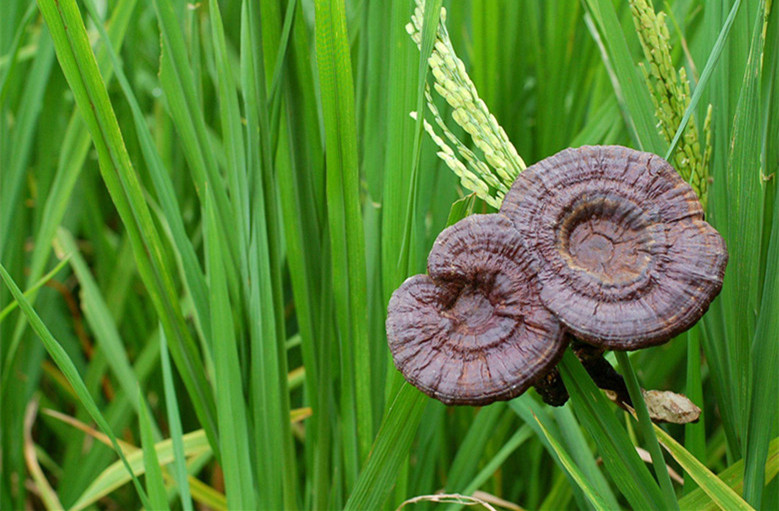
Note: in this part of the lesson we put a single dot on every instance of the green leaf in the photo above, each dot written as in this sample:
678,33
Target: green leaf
154,483
389,450
632,91
65,364
346,229
619,455
570,467
719,492
116,475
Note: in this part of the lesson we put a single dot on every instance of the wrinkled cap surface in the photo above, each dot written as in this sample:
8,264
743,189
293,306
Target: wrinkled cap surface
623,255
474,331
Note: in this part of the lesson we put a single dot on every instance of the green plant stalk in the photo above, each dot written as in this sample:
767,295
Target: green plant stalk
694,433
78,63
645,424
346,229
154,482
270,397
174,423
595,412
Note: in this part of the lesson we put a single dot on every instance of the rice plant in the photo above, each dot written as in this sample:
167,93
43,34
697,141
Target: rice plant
205,208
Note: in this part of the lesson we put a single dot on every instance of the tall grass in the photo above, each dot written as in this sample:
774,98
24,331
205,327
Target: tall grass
208,206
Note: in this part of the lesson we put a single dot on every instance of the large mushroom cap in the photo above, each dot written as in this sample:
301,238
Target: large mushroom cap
474,331
624,257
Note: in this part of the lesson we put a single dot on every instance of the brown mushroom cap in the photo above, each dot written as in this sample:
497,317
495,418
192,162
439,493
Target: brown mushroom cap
474,331
624,257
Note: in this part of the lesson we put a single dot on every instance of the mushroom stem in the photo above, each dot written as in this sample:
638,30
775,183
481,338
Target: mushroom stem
552,389
601,372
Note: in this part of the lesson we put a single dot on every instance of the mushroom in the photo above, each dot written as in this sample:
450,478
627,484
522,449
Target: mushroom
623,255
474,331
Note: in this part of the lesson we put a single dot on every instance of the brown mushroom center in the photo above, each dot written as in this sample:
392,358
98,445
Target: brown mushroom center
472,311
608,238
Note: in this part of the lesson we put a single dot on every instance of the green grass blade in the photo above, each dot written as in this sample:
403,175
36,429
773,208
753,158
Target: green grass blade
571,432
346,228
694,433
230,404
744,177
619,455
186,256
763,414
100,320
21,137
633,91
154,484
733,477
573,471
706,74
432,14
534,413
177,437
389,451
519,437
115,476
269,391
465,463
65,364
645,425
79,66
400,136
35,287
719,492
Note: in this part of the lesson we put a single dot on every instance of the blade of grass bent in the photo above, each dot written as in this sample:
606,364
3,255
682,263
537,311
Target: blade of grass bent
114,476
532,413
720,493
70,372
35,287
733,477
573,471
574,437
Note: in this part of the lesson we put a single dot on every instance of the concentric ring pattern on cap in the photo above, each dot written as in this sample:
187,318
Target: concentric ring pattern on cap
474,331
623,255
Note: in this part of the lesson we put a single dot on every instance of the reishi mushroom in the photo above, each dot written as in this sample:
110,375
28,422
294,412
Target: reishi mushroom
623,255
474,331
605,244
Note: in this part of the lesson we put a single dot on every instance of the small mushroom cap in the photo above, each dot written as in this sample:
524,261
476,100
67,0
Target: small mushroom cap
474,331
623,255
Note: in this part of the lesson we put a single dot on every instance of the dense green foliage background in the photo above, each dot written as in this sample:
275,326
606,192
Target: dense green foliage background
208,206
